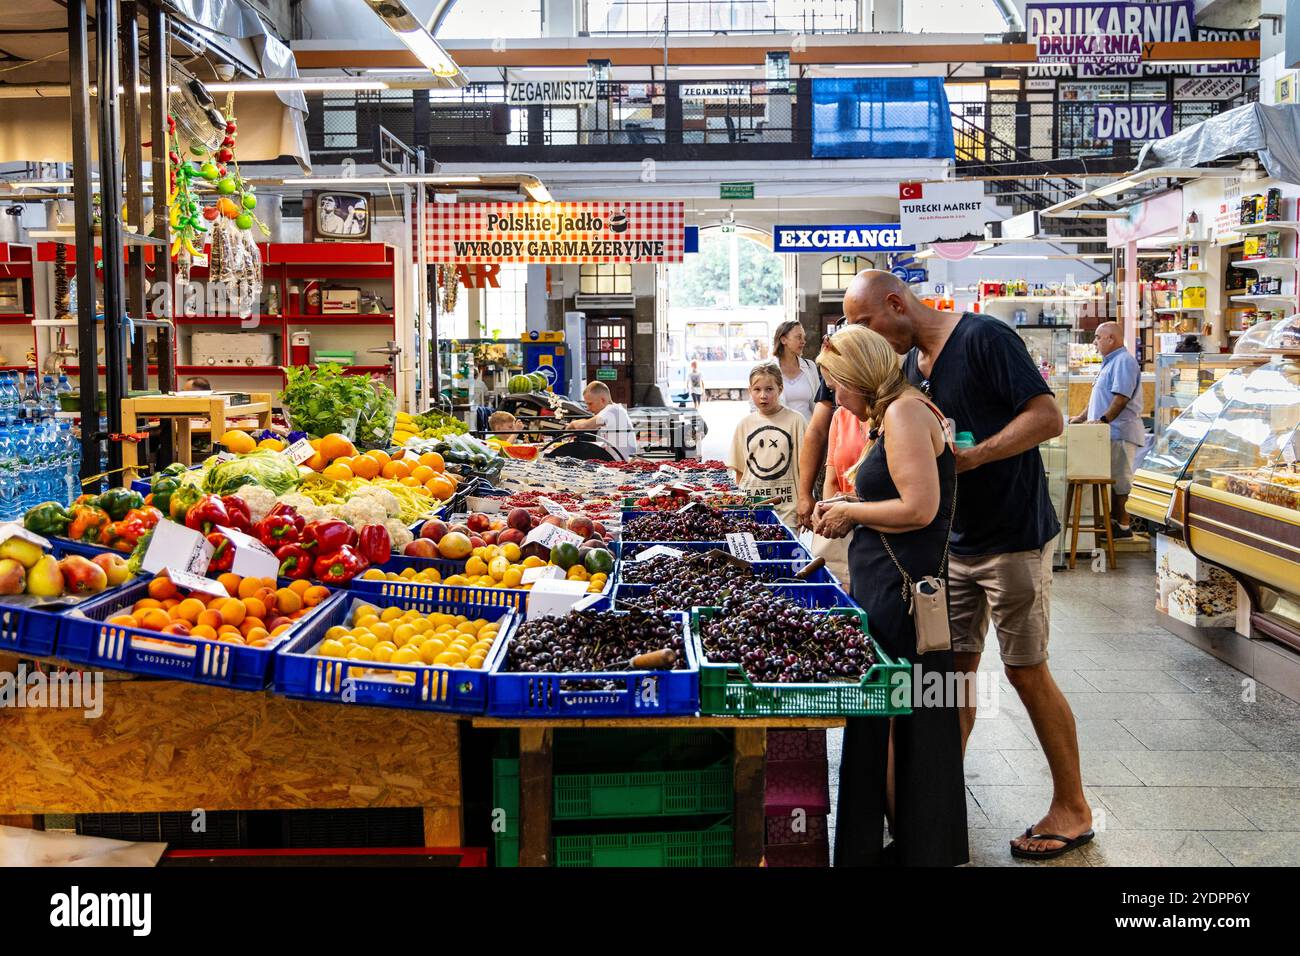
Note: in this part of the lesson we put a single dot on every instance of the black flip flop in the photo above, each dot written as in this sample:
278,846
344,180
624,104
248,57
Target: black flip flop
1070,844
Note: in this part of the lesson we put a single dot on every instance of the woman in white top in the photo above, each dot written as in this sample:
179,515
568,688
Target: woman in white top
799,374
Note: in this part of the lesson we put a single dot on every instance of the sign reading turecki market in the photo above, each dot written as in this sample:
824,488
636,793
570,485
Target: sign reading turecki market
941,212
559,232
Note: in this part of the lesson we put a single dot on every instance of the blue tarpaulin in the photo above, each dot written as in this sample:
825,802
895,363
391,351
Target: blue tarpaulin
881,118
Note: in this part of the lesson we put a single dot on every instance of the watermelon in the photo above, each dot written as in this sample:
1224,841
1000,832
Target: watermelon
540,383
519,384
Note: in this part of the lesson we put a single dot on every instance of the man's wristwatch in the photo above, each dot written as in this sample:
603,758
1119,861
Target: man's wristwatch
1105,419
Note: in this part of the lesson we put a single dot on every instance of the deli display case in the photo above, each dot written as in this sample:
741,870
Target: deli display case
1225,477
1181,377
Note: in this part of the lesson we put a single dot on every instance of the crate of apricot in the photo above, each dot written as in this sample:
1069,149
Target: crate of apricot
222,631
417,652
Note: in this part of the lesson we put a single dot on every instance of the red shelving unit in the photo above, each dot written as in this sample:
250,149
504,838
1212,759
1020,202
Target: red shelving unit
16,261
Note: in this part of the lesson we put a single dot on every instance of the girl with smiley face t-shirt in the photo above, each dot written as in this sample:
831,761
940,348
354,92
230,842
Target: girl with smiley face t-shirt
765,447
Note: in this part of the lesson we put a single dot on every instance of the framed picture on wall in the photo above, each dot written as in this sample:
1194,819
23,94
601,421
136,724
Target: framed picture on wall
336,216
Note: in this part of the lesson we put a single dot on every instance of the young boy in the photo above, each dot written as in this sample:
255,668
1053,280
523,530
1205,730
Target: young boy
765,448
505,426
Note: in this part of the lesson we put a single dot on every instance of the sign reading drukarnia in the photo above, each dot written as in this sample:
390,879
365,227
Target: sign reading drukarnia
564,232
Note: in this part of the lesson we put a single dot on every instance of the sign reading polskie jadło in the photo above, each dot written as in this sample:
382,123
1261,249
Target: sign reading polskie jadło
886,237
558,232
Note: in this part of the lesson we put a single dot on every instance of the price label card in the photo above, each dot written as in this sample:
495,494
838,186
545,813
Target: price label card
227,456
656,551
195,582
252,558
13,529
553,507
669,471
176,546
300,451
549,535
543,573
484,506
689,505
743,545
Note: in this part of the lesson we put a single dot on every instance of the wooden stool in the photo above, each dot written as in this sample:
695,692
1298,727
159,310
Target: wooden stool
1100,512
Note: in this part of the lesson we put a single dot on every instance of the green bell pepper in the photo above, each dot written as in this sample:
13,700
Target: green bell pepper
163,488
183,499
50,518
118,501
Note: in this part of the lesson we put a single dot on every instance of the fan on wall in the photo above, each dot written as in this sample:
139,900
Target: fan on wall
198,121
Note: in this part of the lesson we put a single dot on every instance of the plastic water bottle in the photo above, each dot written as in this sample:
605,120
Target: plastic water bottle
24,455
10,400
70,451
31,397
49,398
9,481
64,388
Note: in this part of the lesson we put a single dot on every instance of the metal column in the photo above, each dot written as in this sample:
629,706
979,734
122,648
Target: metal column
159,41
87,340
110,184
132,162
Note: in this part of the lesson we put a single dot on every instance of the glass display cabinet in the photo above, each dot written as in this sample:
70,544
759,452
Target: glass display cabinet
1224,475
1049,347
1182,377
458,358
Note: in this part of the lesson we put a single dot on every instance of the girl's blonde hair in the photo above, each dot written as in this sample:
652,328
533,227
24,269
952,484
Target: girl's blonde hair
770,369
861,359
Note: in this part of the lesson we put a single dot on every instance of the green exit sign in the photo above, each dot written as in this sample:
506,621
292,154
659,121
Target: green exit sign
607,374
736,190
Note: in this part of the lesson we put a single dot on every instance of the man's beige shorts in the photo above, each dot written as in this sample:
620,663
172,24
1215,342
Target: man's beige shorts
1012,591
1122,454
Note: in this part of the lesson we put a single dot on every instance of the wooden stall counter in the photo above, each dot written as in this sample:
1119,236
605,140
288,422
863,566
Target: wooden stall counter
164,745
182,407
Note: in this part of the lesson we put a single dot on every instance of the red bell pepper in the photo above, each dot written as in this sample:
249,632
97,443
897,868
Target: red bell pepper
275,530
241,519
206,514
295,561
223,553
340,567
327,536
375,546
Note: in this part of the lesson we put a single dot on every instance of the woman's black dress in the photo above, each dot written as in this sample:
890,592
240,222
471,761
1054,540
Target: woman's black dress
929,828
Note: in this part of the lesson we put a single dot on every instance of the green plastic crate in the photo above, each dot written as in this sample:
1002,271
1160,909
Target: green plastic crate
726,689
505,796
711,847
592,796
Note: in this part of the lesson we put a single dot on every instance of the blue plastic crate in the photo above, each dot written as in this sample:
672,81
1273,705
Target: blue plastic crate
34,631
299,673
516,598
635,693
84,548
759,515
85,638
816,596
767,550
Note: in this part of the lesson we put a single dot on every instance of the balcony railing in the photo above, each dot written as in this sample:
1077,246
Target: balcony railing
709,119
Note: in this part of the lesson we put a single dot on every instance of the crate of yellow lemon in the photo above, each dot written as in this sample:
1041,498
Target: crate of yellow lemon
416,652
500,570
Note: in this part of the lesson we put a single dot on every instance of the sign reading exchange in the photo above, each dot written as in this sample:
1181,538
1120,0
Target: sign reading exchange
565,232
887,237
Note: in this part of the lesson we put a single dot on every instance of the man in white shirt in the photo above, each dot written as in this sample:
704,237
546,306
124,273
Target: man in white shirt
608,419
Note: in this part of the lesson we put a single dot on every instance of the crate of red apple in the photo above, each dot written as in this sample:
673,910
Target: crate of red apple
499,551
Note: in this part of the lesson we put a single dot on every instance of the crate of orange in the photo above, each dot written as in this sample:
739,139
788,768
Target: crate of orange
154,627
415,651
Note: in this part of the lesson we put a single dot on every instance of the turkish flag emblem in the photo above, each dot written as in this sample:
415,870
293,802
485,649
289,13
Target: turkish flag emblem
909,190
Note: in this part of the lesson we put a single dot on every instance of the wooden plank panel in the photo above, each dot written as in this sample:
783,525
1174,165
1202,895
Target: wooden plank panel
750,787
167,745
535,796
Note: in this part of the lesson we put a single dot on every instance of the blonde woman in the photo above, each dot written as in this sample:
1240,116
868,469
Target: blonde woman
908,769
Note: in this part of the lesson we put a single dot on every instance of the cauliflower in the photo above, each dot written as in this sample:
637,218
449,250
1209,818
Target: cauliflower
399,533
300,503
385,498
259,500
362,510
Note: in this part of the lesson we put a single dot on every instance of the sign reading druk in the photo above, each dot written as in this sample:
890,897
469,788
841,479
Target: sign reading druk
1133,121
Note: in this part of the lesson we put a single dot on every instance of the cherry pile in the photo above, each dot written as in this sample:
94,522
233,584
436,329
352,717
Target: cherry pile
593,641
713,567
698,524
686,464
780,642
675,502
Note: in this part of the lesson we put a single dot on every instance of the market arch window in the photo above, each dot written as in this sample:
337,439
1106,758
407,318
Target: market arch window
837,271
605,278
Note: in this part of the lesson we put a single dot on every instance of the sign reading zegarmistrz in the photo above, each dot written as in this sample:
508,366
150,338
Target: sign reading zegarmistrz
562,232
553,92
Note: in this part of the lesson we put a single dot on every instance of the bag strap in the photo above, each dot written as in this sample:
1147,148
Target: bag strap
908,584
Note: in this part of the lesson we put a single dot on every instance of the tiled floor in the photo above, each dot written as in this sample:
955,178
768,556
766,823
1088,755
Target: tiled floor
1181,765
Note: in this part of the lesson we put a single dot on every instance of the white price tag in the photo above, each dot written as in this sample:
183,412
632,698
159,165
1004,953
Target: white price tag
222,456
549,535
689,505
252,558
300,451
669,471
655,551
195,582
553,507
12,529
542,573
484,506
743,545
176,546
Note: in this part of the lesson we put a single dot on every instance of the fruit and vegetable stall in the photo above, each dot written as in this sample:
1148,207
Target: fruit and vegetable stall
300,622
